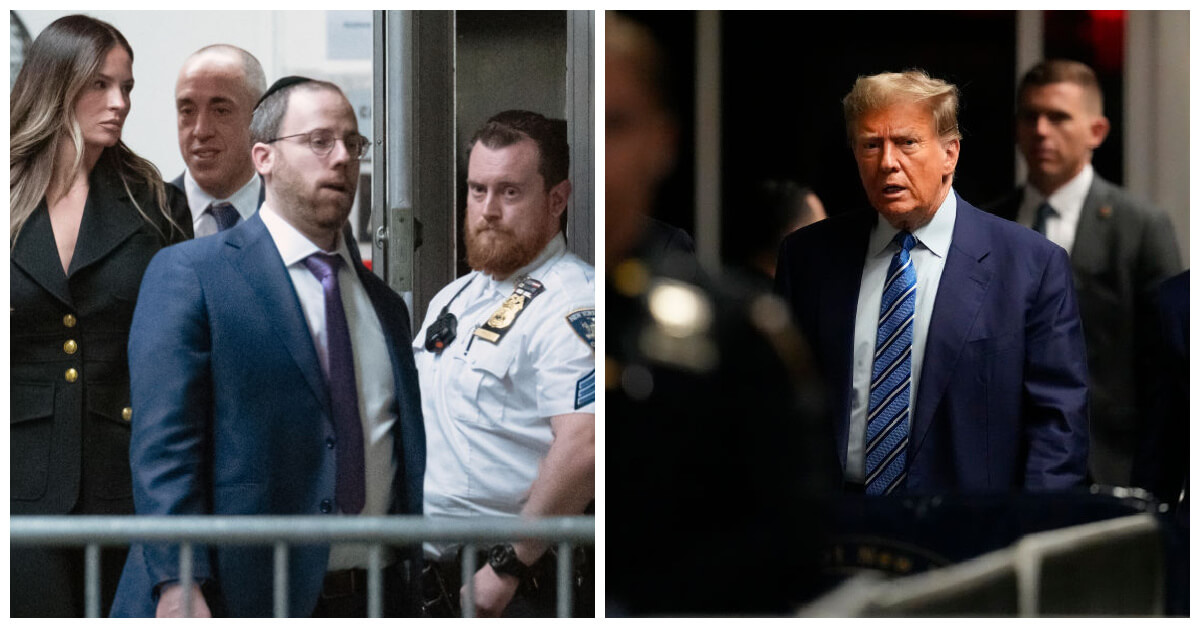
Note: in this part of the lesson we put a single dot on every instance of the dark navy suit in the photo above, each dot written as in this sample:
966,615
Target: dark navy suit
232,415
1002,401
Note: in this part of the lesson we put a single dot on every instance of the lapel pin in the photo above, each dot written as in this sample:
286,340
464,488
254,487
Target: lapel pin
1105,211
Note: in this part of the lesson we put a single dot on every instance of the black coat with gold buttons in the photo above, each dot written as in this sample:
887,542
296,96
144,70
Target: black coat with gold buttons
69,430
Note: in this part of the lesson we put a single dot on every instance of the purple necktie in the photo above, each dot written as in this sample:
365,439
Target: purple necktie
225,214
343,393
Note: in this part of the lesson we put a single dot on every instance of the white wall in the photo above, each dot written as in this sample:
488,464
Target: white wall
285,42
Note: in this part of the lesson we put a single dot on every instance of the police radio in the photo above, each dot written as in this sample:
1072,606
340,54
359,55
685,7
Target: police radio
444,329
441,332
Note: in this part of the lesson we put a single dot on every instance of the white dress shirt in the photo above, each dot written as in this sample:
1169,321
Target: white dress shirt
245,201
373,372
487,407
1067,201
929,258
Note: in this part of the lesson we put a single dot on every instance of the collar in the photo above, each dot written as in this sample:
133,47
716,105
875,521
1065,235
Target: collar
552,251
935,235
245,200
295,246
1066,200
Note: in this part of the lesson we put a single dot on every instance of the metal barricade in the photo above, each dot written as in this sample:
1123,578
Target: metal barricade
280,532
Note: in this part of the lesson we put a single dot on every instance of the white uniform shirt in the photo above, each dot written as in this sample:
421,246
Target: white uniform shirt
488,406
373,372
1067,201
245,201
929,259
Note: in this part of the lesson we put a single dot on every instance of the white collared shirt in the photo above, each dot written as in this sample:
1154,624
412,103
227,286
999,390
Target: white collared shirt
1067,201
245,201
487,406
929,259
372,366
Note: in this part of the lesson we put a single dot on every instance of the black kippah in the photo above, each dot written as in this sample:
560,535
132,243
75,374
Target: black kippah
282,83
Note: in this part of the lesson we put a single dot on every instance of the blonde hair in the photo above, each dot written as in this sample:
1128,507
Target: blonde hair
879,91
60,63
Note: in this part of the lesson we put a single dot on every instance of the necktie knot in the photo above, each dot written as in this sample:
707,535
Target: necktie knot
323,265
225,214
1044,213
906,241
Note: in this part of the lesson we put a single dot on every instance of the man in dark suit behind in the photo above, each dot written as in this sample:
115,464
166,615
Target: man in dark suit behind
949,339
214,98
1120,246
272,376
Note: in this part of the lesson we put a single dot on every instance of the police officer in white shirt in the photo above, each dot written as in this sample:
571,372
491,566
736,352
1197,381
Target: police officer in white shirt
506,358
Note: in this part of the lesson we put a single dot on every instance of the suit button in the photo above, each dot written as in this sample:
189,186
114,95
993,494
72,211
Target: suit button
127,413
326,506
329,442
70,347
71,375
69,320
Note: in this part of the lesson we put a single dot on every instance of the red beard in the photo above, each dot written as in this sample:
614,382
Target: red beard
499,252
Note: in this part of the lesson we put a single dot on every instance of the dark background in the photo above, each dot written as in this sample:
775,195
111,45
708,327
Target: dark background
784,74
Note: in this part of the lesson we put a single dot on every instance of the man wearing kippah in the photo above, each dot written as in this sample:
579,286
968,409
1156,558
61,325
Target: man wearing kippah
271,375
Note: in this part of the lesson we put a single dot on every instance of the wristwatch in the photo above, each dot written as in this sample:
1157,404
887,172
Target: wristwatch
503,559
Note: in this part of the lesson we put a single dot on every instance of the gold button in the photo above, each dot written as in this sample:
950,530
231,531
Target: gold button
69,320
69,347
71,375
127,413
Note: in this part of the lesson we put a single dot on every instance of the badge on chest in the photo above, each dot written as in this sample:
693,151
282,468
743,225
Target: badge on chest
503,318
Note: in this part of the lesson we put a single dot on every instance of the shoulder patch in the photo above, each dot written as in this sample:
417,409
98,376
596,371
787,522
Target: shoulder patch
585,390
583,321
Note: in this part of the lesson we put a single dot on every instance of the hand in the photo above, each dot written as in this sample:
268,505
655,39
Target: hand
170,602
493,592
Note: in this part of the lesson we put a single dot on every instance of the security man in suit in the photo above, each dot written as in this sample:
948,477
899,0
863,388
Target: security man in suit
1120,246
214,99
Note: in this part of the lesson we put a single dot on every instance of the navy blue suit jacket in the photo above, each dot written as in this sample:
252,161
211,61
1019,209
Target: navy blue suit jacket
231,414
1002,403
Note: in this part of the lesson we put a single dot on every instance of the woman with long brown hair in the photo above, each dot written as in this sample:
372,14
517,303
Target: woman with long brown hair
87,214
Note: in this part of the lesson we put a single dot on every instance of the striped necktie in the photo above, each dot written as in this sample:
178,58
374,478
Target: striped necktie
891,375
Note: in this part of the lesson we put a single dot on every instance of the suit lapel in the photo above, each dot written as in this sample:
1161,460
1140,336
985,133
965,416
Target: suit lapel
963,284
109,218
840,288
1091,252
36,253
253,253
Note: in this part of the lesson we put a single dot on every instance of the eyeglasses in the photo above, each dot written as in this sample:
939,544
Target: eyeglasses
322,142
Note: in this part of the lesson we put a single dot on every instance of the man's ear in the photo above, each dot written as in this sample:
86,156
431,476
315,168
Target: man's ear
264,158
558,197
951,147
1098,130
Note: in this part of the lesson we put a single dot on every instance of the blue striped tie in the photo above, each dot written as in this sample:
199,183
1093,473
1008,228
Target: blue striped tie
891,374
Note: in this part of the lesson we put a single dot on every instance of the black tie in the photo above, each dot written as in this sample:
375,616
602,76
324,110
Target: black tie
1044,212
